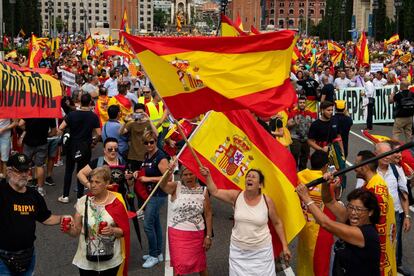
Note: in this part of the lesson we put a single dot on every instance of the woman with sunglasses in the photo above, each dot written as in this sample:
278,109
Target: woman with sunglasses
154,166
357,252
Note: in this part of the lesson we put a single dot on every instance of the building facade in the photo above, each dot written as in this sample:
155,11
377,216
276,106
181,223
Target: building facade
77,16
145,15
289,14
250,12
363,10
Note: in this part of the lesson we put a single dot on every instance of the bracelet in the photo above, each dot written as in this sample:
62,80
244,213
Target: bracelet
208,237
310,203
408,216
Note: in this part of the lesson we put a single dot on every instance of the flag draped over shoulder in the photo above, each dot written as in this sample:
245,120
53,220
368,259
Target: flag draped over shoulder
28,93
219,73
230,144
229,28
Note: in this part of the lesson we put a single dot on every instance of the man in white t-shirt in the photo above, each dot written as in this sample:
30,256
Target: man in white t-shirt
112,84
342,82
379,80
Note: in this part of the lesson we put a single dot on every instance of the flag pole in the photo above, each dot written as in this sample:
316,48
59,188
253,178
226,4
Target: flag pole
363,163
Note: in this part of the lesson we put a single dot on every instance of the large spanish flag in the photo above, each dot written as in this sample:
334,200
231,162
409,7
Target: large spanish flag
199,74
314,242
233,142
229,28
362,51
28,93
124,27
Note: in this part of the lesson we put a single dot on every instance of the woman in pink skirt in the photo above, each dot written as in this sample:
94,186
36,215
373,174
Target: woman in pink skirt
189,234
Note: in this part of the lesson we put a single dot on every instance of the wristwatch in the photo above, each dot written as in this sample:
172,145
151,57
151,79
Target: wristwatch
208,237
408,216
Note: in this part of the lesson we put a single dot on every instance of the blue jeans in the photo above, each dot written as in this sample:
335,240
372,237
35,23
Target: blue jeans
152,225
399,220
4,271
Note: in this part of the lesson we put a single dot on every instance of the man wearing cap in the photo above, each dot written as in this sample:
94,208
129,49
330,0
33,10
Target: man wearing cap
20,208
344,122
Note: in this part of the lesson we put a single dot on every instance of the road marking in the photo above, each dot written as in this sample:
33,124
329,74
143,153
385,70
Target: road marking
362,137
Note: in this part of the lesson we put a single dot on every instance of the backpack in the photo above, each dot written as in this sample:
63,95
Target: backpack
406,105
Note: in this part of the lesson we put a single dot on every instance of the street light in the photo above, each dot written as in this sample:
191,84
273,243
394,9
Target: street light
342,12
287,23
397,4
50,10
330,21
375,7
39,8
12,4
300,24
74,20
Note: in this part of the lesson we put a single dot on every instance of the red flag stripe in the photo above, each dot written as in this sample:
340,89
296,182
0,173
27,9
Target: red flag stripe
268,101
225,45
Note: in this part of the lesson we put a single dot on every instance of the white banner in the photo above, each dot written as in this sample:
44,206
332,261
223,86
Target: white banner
383,110
68,78
375,67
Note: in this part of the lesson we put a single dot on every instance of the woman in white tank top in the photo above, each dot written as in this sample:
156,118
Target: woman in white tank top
251,250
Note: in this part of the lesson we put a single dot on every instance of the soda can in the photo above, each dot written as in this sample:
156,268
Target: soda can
66,223
102,225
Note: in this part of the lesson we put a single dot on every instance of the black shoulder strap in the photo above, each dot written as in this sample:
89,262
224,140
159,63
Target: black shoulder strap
395,172
85,220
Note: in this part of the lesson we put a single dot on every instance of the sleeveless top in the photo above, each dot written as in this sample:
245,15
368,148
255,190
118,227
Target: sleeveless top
187,209
250,230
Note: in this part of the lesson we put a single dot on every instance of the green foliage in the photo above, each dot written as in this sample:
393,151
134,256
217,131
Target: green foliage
26,17
334,24
160,18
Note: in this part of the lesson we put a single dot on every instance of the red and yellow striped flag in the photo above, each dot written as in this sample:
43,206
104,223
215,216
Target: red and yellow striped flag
239,23
228,28
87,46
296,54
219,73
230,144
314,242
253,30
362,51
35,51
124,27
336,52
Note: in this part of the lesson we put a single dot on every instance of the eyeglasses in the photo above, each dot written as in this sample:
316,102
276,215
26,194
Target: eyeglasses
357,210
152,142
112,149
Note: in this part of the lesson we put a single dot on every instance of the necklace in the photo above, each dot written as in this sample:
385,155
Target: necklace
103,201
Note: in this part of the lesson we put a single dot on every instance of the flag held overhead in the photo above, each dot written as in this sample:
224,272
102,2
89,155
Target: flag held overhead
219,73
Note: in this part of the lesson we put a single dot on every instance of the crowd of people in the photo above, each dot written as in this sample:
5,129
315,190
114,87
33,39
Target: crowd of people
115,105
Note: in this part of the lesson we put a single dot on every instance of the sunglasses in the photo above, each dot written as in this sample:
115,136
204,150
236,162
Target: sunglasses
152,142
147,92
112,149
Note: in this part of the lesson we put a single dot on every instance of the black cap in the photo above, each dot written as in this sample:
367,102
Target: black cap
20,162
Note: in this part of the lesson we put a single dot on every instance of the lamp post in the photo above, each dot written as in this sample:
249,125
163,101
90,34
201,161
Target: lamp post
397,4
12,6
307,17
330,21
287,23
223,5
375,7
50,10
342,12
300,24
74,20
67,12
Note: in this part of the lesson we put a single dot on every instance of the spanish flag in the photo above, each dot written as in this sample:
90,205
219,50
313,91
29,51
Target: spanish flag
253,30
393,39
124,27
228,28
296,54
116,51
362,51
233,142
314,242
35,51
239,22
87,46
219,73
11,54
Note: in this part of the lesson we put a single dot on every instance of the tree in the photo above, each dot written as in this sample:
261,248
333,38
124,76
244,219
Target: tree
380,21
59,24
26,17
160,18
406,20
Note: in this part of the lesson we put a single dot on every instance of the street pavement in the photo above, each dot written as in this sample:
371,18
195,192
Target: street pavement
55,250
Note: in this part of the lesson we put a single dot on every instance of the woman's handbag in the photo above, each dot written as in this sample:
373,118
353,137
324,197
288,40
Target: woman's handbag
17,261
100,249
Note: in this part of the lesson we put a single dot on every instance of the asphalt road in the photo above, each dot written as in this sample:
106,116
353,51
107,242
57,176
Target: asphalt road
55,250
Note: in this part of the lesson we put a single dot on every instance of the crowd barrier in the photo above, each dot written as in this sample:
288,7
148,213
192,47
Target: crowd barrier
383,110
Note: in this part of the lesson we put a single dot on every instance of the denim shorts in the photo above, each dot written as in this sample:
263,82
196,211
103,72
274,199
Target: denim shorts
5,146
4,271
52,147
38,154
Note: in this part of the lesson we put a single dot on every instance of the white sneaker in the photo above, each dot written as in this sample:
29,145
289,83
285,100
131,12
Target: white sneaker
150,262
41,191
63,199
160,257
